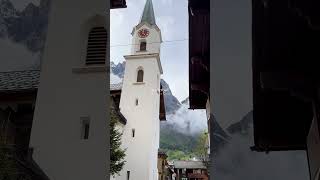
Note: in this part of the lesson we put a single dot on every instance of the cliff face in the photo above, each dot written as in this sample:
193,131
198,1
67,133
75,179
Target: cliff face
27,27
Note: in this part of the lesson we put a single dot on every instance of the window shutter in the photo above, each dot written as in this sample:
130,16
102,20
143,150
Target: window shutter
97,46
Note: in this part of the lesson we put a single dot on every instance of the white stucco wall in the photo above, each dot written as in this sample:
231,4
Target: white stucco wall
64,96
231,60
153,40
142,150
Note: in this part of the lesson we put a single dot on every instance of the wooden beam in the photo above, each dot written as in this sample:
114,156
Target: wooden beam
284,80
203,87
199,60
118,4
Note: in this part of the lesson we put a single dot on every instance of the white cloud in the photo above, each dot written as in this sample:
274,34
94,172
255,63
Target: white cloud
188,121
116,19
167,2
166,24
15,57
114,79
237,161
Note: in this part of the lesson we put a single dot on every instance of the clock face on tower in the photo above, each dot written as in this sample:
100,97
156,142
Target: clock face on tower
143,33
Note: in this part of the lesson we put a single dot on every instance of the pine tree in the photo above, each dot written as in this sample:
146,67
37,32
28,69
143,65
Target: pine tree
116,153
8,166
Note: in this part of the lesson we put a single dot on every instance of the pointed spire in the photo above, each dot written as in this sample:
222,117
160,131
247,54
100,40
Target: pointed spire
148,13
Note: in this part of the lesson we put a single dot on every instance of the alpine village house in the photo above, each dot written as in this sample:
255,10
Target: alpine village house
54,126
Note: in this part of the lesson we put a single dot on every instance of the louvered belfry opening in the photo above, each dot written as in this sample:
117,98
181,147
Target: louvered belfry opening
97,46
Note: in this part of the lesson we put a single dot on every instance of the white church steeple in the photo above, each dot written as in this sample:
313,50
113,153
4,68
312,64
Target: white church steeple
140,100
146,35
148,13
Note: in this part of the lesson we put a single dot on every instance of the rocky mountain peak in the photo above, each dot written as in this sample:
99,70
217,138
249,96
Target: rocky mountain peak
27,27
118,69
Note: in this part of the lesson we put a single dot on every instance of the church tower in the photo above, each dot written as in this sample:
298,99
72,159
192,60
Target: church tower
69,130
140,100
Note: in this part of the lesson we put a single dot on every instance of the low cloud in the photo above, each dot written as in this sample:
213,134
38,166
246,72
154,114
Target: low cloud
114,79
166,24
167,2
116,19
16,57
235,161
188,121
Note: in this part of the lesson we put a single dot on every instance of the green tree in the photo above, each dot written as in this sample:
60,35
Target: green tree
117,154
201,150
8,166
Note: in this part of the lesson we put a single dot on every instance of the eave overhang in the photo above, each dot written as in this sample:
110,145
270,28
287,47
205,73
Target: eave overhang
285,37
115,4
199,53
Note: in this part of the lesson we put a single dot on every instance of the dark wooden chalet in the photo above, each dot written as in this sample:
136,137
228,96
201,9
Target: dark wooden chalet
18,92
199,53
286,36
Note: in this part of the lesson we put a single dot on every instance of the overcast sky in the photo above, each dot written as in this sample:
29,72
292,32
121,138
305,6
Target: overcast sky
172,19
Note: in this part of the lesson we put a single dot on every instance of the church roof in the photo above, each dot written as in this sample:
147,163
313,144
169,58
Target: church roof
28,80
188,165
148,13
115,87
19,80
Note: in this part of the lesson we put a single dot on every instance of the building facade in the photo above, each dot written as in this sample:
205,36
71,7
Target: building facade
199,61
69,128
55,127
190,170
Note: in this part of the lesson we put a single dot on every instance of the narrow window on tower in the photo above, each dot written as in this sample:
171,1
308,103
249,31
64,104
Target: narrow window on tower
85,127
137,102
140,75
133,132
128,175
143,46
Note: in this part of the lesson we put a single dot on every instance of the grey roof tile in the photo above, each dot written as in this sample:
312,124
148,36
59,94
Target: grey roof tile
28,80
19,80
114,87
189,164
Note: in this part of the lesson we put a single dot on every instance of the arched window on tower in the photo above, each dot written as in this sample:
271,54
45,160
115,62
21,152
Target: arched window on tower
143,46
140,75
97,46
